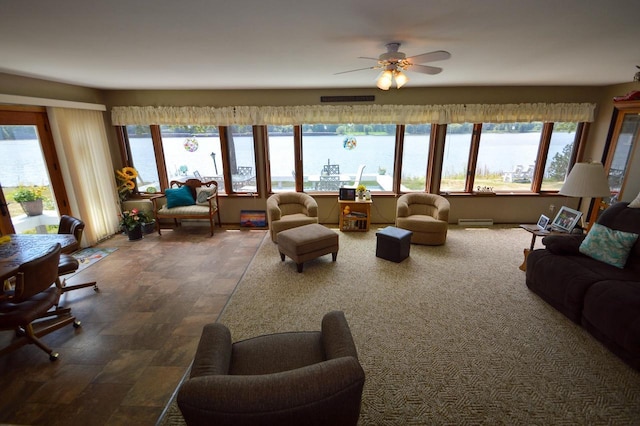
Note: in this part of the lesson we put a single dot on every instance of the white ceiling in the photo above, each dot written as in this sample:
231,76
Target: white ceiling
277,44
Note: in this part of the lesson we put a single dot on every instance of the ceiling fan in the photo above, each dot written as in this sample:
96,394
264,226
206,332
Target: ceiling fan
393,63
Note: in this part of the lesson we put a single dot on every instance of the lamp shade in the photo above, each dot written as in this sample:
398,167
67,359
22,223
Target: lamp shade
586,180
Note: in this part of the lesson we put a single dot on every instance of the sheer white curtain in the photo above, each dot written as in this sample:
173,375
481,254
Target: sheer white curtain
83,150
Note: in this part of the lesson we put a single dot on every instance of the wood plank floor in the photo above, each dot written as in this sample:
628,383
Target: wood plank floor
138,334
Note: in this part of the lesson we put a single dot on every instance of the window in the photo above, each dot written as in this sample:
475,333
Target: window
455,160
507,156
325,157
282,164
415,153
143,157
336,155
241,158
192,150
562,144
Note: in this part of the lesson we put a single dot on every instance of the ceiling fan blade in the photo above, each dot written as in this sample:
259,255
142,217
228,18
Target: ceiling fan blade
424,69
438,55
366,57
359,69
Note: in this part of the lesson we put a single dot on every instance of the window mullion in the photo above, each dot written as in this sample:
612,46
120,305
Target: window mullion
473,157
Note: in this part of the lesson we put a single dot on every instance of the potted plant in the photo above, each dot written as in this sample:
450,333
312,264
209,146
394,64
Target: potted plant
360,190
131,222
148,224
30,199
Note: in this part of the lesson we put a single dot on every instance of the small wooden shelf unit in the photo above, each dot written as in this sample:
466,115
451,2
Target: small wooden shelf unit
358,218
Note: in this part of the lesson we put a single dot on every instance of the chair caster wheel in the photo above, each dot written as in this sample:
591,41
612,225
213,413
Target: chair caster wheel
77,324
53,356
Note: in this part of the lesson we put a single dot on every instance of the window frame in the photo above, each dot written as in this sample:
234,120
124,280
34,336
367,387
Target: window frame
433,177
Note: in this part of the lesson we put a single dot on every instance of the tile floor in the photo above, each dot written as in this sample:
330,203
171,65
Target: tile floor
138,334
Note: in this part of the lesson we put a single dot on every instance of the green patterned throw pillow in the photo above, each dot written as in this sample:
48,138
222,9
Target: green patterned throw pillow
608,245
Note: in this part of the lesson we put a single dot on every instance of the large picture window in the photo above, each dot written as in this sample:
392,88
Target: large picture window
322,158
507,156
347,155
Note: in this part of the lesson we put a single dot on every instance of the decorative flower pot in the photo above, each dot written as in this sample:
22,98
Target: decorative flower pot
135,233
32,208
149,227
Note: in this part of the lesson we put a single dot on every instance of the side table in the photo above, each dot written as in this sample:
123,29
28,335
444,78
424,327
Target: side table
535,232
357,217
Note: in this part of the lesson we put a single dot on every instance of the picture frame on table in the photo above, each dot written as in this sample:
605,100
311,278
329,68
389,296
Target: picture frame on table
566,219
543,222
348,194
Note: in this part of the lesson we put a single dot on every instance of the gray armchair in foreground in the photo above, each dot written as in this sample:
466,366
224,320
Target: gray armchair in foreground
310,378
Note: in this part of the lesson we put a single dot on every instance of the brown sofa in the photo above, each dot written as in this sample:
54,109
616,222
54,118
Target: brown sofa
603,298
297,378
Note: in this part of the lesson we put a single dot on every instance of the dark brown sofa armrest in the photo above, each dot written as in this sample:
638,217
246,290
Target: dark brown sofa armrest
325,393
563,244
336,336
213,355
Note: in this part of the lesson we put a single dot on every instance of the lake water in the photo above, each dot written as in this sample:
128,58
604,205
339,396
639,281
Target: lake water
21,161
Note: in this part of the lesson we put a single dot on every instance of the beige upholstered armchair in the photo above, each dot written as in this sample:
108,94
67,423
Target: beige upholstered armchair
426,215
295,378
286,210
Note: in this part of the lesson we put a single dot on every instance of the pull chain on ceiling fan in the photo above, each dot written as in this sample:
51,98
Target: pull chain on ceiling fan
393,63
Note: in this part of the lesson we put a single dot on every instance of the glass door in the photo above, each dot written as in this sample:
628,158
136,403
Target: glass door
619,154
28,202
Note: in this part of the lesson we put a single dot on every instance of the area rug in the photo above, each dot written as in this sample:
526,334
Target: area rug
89,256
451,335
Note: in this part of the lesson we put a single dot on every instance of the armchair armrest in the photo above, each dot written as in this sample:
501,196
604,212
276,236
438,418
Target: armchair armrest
563,244
443,206
273,210
311,206
402,208
336,336
213,355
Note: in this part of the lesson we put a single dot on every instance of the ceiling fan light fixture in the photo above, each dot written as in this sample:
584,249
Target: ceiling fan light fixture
385,80
401,79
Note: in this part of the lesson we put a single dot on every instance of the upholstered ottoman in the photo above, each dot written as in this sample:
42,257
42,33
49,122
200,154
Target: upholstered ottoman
307,242
393,244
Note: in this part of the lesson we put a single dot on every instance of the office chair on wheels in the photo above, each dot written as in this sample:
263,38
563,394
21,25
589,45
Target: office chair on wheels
31,300
69,264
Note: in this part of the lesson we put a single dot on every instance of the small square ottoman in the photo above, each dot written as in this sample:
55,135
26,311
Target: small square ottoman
393,244
307,242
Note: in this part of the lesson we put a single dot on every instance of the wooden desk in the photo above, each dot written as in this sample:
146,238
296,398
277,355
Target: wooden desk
25,247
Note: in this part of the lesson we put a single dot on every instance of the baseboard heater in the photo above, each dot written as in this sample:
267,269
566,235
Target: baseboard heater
475,222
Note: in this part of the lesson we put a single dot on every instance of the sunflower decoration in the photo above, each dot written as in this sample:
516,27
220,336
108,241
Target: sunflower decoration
126,181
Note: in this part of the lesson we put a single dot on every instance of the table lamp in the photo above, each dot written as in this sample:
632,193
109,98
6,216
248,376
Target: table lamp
586,180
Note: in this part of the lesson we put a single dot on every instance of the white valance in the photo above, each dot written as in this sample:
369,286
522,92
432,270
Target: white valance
360,114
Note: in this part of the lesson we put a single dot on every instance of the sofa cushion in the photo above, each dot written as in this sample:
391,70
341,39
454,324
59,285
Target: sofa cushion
608,245
202,193
177,197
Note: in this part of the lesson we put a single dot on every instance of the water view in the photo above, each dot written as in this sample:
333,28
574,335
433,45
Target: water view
21,163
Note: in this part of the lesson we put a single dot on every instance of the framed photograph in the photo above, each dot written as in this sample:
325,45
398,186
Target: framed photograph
347,194
543,222
566,219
